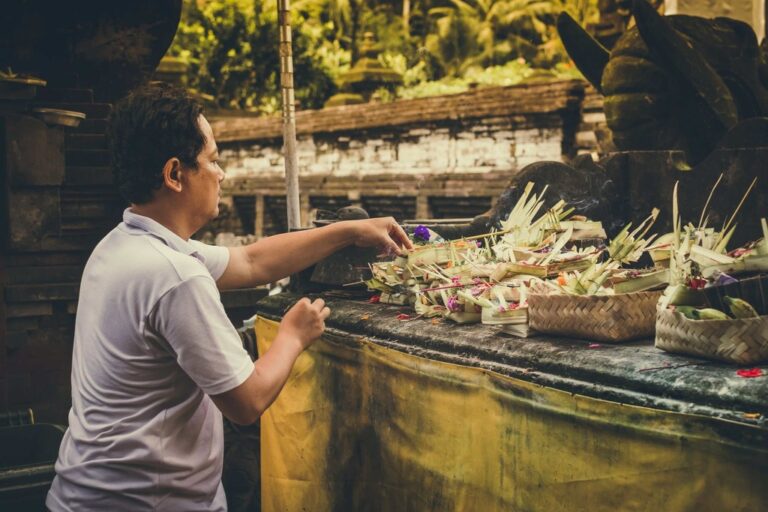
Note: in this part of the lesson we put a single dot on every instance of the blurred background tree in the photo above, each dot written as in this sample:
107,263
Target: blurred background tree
440,46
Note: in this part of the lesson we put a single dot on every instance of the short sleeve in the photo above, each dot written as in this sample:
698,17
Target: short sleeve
216,257
191,320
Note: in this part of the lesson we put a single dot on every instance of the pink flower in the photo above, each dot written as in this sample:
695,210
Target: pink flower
741,251
477,290
750,373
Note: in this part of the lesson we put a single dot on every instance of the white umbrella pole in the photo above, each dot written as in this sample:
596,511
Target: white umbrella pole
289,115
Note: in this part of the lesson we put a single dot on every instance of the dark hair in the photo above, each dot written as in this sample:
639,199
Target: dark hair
154,123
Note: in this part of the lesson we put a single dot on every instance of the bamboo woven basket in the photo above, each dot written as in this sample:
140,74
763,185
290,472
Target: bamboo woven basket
609,318
741,341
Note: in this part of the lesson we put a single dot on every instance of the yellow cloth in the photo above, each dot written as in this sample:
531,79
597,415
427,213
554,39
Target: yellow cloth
360,427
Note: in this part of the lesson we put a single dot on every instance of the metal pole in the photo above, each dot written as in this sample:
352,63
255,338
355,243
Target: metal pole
289,115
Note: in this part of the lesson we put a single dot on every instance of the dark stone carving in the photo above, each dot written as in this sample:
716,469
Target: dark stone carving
614,20
674,82
623,187
584,186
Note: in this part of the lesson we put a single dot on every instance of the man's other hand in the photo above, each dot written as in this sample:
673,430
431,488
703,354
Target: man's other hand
384,233
305,321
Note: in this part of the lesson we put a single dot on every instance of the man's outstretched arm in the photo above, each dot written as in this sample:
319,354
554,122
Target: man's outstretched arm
273,258
301,326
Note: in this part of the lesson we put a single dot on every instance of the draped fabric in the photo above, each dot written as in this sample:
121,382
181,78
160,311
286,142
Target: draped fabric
361,427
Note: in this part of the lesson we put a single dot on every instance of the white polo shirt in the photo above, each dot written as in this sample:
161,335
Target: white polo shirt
152,341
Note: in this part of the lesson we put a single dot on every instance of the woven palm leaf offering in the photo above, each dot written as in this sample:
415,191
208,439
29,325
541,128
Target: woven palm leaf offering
717,303
400,280
486,277
603,301
455,289
531,245
506,305
394,281
544,246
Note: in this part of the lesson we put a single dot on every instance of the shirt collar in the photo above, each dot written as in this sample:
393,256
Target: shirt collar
154,228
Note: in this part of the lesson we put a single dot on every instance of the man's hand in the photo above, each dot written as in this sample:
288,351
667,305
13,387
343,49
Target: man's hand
301,326
304,322
383,233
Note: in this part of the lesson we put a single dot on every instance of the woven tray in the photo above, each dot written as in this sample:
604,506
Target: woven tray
742,341
609,318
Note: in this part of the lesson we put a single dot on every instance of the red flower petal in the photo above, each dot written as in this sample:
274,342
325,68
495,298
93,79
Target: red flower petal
403,316
750,373
375,299
594,345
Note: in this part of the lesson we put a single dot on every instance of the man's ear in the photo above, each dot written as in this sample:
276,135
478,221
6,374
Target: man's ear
172,174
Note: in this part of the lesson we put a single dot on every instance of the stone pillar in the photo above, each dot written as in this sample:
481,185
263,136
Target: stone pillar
258,218
422,207
304,206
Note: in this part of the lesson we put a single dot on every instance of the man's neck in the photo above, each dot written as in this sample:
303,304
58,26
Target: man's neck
165,216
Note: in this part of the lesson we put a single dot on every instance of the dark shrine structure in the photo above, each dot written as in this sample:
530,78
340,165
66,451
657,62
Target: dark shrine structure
58,195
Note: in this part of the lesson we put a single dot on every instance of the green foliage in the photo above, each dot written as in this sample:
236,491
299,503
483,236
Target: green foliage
440,46
485,33
231,48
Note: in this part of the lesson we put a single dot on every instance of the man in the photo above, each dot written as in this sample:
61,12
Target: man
156,361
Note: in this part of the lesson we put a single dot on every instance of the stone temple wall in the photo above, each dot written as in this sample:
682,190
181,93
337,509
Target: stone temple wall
477,145
446,156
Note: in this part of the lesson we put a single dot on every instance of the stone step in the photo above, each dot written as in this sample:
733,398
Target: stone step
87,157
92,126
41,292
88,175
91,141
45,274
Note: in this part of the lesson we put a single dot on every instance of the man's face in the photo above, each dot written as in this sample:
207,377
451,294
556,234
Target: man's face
204,184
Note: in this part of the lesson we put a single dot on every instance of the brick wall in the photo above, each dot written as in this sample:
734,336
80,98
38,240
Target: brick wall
493,129
487,144
58,201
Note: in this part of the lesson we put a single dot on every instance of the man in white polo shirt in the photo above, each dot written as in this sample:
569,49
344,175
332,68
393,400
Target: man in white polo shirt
156,361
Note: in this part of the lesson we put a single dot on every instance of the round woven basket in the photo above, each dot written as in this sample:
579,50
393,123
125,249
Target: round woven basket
741,341
609,318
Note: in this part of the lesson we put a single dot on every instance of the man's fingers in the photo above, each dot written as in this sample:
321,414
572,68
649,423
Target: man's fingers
398,235
389,250
298,304
318,304
393,248
325,313
401,237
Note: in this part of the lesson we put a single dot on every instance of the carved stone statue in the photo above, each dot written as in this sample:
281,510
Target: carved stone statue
674,82
686,99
